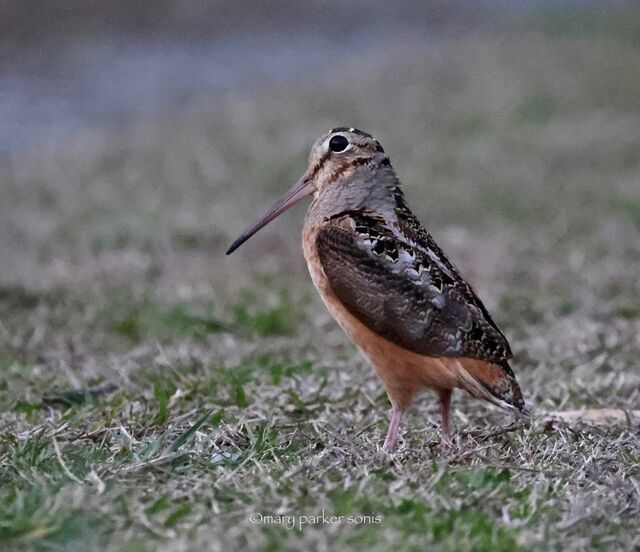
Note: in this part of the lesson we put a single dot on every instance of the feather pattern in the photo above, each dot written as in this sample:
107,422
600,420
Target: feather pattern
389,286
395,280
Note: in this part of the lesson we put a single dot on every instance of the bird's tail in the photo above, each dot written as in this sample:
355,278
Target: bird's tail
495,383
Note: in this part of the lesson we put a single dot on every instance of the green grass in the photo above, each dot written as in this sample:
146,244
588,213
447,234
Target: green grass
155,394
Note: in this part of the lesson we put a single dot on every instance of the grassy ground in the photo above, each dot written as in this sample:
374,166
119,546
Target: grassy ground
157,395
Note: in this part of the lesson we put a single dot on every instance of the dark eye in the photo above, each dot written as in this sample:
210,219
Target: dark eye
338,143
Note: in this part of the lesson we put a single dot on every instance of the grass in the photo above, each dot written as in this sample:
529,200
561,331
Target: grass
155,394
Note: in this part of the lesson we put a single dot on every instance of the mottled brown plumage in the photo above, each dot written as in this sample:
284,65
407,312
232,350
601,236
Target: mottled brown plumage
390,287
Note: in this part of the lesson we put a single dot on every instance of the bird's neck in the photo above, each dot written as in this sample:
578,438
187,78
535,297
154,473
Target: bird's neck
377,191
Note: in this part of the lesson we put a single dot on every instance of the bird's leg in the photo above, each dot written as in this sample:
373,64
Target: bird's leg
445,403
394,428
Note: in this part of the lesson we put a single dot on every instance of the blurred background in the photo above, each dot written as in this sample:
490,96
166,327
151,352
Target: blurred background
137,140
143,137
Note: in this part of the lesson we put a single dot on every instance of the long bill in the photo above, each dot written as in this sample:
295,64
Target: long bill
300,189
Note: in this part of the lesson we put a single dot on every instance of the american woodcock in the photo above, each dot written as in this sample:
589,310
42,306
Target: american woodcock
389,286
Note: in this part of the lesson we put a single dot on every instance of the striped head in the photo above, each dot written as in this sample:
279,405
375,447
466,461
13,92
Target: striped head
337,155
348,169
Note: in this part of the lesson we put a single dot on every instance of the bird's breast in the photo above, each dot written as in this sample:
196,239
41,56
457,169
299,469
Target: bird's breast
398,368
319,278
354,329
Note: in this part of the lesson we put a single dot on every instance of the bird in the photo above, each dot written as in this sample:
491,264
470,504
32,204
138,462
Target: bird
390,287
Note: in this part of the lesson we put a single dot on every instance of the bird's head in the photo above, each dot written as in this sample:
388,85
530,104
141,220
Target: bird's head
334,160
337,155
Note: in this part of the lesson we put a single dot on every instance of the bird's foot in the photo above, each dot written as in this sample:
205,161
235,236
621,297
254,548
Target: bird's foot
394,429
446,443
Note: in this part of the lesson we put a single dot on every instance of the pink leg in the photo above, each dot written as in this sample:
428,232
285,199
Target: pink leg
445,403
394,428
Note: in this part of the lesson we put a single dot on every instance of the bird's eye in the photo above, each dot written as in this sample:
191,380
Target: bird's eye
338,143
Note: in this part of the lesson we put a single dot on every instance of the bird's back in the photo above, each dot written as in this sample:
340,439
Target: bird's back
388,274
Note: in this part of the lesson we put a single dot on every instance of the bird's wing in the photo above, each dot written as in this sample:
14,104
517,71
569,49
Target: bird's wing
405,291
